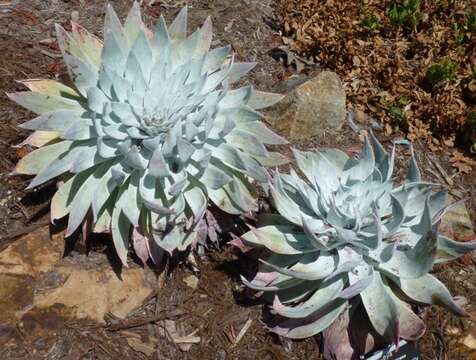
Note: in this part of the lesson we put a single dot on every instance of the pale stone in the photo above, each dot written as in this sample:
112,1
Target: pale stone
191,281
41,291
316,107
93,294
456,223
469,341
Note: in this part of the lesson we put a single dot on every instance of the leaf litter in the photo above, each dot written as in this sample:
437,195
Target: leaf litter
386,61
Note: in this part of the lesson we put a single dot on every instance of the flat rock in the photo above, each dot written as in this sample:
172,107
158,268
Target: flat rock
456,224
315,107
42,291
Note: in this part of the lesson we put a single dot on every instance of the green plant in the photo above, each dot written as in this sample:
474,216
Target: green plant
460,33
397,113
149,134
369,22
348,237
471,21
444,70
464,31
406,14
396,110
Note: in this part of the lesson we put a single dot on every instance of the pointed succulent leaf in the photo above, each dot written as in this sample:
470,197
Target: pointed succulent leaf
152,132
347,221
36,161
303,328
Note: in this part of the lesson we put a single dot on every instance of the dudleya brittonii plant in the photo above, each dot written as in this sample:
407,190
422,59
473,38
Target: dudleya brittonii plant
348,238
150,132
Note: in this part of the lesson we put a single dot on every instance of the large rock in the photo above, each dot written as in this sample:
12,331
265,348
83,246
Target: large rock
456,224
41,291
316,107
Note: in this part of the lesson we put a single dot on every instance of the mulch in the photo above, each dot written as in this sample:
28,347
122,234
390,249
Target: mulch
384,65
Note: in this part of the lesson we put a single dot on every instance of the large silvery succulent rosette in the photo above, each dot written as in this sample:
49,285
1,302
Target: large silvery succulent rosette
347,238
150,132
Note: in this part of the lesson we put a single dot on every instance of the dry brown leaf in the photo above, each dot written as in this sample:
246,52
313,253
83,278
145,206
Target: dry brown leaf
22,152
147,349
387,62
184,342
462,163
191,281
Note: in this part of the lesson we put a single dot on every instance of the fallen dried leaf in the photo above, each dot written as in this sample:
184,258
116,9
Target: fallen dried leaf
469,341
243,331
191,281
462,163
147,349
184,342
22,152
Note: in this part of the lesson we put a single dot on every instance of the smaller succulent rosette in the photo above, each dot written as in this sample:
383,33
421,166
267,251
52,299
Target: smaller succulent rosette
149,133
347,237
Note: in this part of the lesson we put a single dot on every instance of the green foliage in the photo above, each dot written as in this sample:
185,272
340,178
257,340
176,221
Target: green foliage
369,22
406,14
150,133
347,233
444,70
397,113
467,29
471,21
396,110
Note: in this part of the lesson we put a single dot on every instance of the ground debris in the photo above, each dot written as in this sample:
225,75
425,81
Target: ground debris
384,66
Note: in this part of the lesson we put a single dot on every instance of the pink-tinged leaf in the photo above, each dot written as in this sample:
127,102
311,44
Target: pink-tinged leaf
213,227
336,340
148,33
140,243
264,278
381,308
238,242
71,48
90,45
277,304
202,232
351,338
411,327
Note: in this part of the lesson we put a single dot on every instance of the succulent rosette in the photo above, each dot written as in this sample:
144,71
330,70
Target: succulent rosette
350,242
150,131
